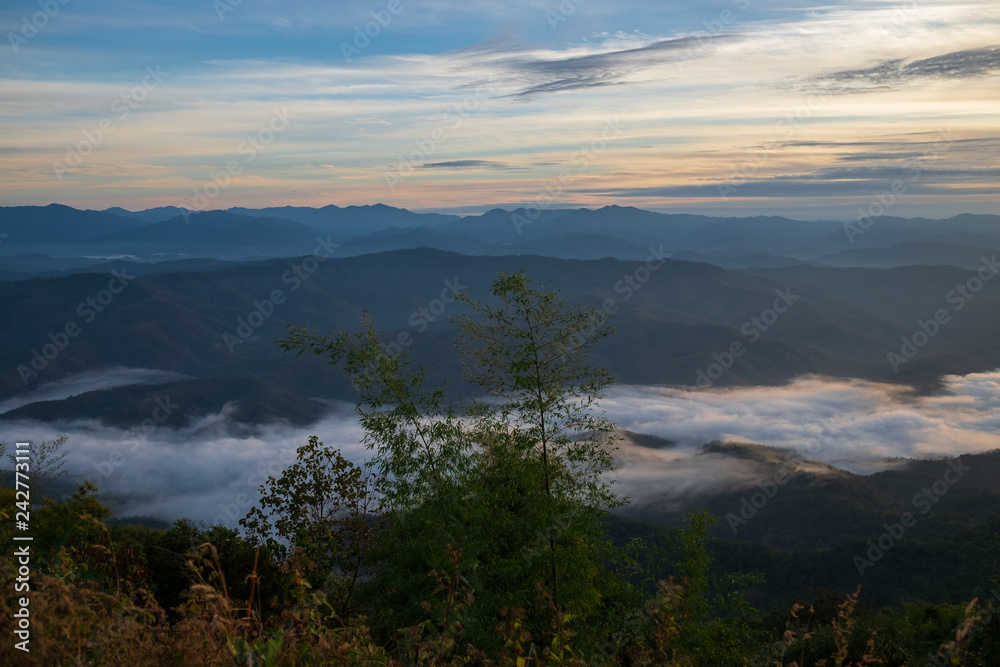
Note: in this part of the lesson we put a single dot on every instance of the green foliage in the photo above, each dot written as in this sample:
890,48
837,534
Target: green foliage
73,525
530,351
418,441
324,506
517,483
478,535
253,575
698,618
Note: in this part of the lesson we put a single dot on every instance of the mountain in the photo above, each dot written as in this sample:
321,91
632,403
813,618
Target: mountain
139,269
852,506
577,246
158,214
215,234
252,400
726,261
397,238
625,222
886,232
806,525
758,234
501,226
343,223
563,246
610,231
31,265
840,322
58,224
911,253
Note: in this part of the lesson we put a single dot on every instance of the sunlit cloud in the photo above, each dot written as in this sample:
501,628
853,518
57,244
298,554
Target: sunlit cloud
215,464
697,90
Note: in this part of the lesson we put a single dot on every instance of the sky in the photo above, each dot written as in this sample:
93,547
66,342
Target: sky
736,107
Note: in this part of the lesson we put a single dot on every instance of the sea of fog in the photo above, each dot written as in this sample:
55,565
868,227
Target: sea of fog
211,470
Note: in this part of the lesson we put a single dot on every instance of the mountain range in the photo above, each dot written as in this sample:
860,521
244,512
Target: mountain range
192,304
218,321
56,235
684,290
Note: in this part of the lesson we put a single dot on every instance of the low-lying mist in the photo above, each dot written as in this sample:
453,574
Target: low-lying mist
93,380
211,469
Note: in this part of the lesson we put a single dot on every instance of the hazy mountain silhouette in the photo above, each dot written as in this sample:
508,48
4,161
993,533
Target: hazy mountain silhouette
843,322
611,231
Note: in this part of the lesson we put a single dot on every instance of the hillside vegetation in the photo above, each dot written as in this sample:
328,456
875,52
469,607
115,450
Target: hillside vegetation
478,533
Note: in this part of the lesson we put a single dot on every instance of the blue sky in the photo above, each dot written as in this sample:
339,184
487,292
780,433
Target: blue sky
741,107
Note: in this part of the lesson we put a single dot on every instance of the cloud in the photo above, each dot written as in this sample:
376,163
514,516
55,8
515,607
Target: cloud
93,380
465,164
788,188
610,68
893,74
211,469
835,182
853,424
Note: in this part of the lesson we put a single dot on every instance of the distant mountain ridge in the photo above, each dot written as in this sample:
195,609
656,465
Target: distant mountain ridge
622,232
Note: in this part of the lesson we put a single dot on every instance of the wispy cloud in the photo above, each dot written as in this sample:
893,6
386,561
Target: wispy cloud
895,73
465,164
610,68
695,94
79,383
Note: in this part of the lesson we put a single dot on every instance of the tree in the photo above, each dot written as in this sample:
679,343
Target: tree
45,464
530,352
325,507
515,484
419,442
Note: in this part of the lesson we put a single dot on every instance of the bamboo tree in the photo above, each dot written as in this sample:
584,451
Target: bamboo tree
530,352
516,481
420,446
